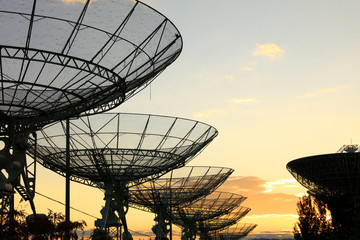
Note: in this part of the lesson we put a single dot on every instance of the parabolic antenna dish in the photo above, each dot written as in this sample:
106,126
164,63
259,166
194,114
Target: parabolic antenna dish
121,147
61,58
178,187
236,232
334,174
192,226
224,221
333,179
211,224
213,205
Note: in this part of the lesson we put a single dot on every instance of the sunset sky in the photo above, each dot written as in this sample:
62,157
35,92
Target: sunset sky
279,79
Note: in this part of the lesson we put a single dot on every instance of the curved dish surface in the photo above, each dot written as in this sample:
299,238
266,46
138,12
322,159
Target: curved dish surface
328,174
236,232
178,187
121,147
64,58
213,205
216,223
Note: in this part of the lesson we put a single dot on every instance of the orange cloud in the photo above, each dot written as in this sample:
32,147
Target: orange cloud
270,50
322,92
244,100
261,201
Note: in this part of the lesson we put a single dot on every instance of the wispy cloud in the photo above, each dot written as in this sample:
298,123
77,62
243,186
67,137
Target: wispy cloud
270,185
244,100
322,92
230,108
247,68
229,77
270,50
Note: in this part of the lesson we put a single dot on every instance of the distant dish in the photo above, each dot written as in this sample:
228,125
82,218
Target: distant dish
236,232
205,227
214,205
178,187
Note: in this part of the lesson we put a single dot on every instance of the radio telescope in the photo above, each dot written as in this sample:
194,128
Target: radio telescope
114,151
59,60
212,205
221,222
178,187
333,179
236,232
218,205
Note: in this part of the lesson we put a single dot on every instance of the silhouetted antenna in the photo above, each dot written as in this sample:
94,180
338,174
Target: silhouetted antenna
235,232
178,188
114,151
60,61
334,179
348,148
215,212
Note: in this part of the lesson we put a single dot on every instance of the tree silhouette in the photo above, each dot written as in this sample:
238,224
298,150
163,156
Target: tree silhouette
313,221
60,226
13,225
99,234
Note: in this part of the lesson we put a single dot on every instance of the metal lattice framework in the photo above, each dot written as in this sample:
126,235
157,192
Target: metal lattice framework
114,151
329,174
239,231
178,187
60,59
213,205
121,147
222,222
204,225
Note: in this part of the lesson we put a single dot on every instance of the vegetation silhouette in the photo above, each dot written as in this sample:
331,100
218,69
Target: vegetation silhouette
15,225
314,222
99,234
